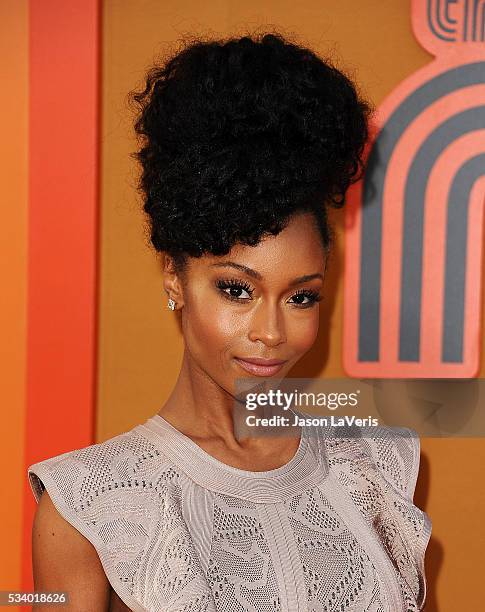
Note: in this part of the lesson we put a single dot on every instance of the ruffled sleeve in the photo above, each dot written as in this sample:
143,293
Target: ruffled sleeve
80,485
404,528
125,496
396,453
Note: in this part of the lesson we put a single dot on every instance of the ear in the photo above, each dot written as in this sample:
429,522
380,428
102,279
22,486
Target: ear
172,282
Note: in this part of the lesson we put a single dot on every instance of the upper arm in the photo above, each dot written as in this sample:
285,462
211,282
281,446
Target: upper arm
63,560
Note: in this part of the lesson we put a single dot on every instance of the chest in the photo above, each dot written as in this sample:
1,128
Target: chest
300,555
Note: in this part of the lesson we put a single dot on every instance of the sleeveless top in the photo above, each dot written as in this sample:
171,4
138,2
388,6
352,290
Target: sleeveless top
176,530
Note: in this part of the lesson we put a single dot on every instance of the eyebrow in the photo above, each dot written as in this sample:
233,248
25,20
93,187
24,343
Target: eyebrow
258,276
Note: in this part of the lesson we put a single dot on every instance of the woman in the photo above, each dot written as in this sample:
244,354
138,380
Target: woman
245,144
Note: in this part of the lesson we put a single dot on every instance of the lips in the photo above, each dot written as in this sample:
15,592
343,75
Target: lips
260,367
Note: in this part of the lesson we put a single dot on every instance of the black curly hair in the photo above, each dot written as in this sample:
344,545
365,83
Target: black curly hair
240,134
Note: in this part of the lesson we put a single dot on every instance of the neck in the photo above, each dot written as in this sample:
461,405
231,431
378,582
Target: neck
199,407
205,412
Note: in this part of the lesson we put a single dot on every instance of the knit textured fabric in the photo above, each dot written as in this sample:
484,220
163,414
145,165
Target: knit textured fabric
176,530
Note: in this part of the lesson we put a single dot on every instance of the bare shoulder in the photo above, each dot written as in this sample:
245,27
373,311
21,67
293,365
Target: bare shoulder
64,560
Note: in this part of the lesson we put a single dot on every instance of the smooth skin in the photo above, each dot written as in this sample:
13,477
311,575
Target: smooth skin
64,560
267,321
272,317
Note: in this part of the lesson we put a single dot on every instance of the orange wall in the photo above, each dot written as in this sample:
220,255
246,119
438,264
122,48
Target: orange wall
13,271
128,343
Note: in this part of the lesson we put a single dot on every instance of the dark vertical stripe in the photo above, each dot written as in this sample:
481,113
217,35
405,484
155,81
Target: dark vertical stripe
474,20
482,21
412,253
373,189
455,264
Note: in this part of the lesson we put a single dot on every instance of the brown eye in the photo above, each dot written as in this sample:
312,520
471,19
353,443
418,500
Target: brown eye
232,289
306,297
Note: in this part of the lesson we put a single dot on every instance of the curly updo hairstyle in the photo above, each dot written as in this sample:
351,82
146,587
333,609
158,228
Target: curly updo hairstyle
240,134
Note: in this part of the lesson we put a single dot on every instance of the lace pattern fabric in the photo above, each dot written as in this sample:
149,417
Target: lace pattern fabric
379,470
177,531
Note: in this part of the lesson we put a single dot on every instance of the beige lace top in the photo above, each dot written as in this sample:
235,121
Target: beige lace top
176,530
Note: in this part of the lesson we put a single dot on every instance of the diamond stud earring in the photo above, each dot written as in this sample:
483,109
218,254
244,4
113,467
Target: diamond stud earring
171,304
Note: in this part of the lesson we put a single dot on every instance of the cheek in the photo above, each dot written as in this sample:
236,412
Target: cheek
302,331
211,326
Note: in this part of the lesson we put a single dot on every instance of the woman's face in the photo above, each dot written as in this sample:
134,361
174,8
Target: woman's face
255,302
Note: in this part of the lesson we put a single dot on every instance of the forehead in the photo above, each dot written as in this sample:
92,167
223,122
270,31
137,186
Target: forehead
295,251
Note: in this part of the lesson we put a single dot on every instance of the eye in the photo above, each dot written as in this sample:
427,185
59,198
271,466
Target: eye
232,288
312,296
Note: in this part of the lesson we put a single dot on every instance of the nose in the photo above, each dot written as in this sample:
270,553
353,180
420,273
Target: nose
267,324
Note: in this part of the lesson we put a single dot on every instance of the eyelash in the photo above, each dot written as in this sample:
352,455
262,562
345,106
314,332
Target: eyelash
233,283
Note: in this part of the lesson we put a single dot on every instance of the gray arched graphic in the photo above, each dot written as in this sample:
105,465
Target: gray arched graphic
436,18
455,262
373,189
412,247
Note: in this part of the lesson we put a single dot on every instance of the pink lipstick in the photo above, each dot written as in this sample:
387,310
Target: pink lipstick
260,367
